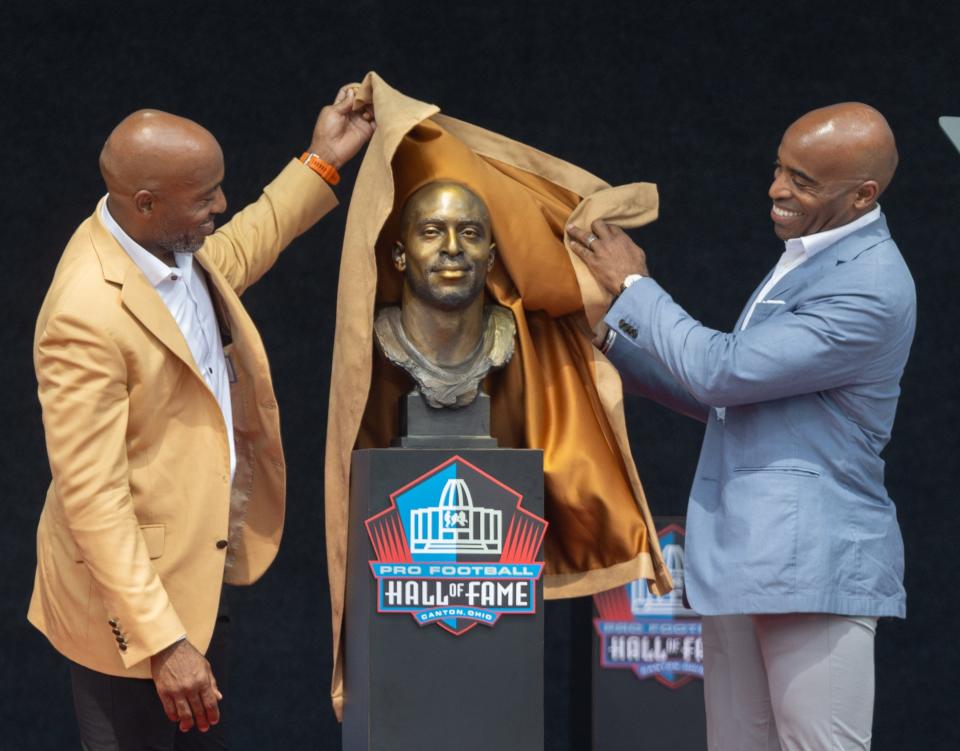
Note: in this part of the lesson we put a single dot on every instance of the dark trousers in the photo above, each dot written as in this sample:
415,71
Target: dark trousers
125,714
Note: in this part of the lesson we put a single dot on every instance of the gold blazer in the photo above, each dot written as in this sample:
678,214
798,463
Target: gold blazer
141,526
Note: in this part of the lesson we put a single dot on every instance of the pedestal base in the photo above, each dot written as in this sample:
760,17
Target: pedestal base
648,663
416,679
423,426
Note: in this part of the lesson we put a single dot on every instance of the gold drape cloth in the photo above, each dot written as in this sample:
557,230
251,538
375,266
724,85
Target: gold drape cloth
558,393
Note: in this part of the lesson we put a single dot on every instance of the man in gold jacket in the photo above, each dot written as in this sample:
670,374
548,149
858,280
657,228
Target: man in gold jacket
161,423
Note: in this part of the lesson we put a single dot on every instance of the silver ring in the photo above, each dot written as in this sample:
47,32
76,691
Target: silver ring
590,240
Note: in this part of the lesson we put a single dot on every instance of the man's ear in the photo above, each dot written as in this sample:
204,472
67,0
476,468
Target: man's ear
493,256
144,201
867,194
399,257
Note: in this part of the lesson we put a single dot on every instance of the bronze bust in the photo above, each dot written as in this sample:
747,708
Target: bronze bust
443,333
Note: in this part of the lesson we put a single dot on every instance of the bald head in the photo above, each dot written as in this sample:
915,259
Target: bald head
832,166
163,176
856,136
151,149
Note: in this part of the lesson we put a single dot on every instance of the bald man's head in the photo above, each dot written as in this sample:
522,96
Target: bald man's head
163,176
832,166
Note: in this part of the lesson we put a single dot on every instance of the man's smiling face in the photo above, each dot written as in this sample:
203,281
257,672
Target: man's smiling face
187,208
815,184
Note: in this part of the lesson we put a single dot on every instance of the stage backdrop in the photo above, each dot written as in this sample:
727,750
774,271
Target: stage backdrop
691,96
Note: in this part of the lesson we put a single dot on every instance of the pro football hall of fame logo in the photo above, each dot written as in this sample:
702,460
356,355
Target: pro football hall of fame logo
653,636
456,548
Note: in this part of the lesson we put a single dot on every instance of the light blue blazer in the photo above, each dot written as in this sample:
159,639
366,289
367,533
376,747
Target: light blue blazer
788,511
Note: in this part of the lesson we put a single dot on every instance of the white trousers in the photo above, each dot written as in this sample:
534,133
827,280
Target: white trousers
794,682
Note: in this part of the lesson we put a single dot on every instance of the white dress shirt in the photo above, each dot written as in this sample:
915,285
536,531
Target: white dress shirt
184,291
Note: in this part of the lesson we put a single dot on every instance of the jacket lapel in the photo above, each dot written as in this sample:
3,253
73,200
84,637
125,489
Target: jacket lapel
145,305
853,245
842,251
825,259
226,303
137,295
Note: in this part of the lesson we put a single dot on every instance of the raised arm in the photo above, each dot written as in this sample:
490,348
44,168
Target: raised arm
826,342
249,244
862,307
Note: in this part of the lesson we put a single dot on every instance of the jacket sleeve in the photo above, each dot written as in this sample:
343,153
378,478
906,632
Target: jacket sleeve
643,374
247,246
83,394
828,340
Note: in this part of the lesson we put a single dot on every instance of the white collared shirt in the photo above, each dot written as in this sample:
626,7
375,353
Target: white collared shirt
184,291
800,249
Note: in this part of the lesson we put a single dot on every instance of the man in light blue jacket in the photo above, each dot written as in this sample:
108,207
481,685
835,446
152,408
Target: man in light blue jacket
793,546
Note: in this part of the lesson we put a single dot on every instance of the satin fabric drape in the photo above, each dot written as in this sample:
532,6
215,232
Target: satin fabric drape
558,393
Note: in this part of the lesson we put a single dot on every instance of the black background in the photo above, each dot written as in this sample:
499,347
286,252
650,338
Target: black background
691,96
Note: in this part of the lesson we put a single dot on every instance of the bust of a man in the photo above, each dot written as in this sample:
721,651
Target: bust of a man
443,333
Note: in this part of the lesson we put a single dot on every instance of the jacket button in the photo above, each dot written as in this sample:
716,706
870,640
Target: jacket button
116,631
120,639
221,544
622,324
113,622
123,647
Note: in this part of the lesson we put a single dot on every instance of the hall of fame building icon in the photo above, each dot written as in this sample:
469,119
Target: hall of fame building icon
455,525
456,548
655,636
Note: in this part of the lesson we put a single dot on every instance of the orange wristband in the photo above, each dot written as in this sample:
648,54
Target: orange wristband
326,170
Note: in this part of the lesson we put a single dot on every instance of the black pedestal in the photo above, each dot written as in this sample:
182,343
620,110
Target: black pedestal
444,610
648,663
422,426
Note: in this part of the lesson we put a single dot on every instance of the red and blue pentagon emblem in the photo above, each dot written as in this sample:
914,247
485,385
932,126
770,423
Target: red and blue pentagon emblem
656,637
456,548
